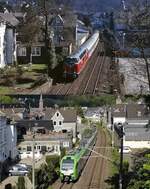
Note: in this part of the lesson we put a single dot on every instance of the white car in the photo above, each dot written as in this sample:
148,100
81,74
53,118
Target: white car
126,150
18,170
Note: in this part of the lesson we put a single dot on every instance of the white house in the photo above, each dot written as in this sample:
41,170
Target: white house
63,119
95,114
8,139
3,138
135,119
7,39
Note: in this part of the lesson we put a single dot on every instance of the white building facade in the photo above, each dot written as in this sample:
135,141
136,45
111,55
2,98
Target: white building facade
8,24
2,44
8,139
3,138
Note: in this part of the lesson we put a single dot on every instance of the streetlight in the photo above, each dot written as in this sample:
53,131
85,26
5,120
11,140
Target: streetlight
33,160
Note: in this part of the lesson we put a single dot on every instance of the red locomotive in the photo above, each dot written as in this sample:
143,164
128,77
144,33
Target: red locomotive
75,63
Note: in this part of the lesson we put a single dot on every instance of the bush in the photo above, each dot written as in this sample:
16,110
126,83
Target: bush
54,160
21,183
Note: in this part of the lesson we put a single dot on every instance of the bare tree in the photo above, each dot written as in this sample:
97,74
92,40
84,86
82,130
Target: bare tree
139,21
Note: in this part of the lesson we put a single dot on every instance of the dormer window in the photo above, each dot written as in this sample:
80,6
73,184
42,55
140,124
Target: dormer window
57,114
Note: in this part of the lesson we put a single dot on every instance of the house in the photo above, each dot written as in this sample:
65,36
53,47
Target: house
135,120
8,141
46,140
67,27
8,138
63,119
8,25
94,114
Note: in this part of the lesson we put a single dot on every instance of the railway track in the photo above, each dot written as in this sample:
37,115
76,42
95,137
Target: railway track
92,176
91,85
90,81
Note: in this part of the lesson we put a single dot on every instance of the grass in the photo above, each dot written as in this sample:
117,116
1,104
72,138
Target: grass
28,74
6,90
38,66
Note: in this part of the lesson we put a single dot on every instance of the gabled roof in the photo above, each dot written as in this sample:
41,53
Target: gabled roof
9,18
69,115
119,110
138,111
131,111
13,113
136,132
35,123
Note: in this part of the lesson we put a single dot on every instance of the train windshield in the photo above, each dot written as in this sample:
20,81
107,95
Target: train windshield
71,61
67,164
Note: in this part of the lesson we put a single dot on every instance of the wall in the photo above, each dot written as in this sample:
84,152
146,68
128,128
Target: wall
9,46
119,120
55,145
12,141
2,45
57,118
3,142
137,144
71,126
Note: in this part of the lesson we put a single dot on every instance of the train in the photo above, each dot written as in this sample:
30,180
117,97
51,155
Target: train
75,63
72,164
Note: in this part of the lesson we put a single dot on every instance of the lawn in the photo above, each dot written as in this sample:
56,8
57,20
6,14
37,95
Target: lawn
6,90
22,77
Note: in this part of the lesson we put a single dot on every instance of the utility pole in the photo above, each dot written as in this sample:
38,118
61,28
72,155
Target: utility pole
33,161
121,157
46,38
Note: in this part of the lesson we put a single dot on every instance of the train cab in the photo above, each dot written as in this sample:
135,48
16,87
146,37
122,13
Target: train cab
70,68
67,169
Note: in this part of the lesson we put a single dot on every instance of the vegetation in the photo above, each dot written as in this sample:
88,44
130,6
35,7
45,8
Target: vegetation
90,101
141,172
21,183
47,173
137,178
7,100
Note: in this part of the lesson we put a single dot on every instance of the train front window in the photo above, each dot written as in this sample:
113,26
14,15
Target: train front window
67,164
71,61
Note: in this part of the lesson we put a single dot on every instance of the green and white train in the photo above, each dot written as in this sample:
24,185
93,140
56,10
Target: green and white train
72,164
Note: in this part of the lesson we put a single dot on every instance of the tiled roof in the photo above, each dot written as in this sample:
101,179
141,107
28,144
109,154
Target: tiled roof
119,110
136,132
137,111
69,115
35,123
9,18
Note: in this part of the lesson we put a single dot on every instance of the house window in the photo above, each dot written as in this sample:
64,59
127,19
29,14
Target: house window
60,123
65,144
36,51
38,147
22,51
54,122
29,149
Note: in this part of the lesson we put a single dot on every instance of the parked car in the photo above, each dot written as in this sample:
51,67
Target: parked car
25,166
18,170
126,150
